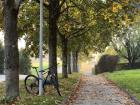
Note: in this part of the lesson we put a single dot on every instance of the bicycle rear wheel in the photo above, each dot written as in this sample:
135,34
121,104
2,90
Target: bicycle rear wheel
51,85
56,85
32,84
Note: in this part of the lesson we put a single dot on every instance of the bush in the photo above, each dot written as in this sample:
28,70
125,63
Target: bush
107,63
24,63
125,66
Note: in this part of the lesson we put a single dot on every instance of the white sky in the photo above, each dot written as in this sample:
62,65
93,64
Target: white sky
21,42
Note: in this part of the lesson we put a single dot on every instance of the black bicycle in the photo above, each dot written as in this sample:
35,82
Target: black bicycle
32,82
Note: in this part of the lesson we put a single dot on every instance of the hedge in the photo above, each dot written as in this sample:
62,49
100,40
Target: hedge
107,63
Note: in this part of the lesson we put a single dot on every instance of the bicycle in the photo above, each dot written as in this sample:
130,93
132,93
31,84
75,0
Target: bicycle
32,81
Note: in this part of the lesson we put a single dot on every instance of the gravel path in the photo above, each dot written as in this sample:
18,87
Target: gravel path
96,90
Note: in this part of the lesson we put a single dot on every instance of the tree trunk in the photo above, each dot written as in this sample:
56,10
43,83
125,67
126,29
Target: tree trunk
128,48
76,57
64,57
130,58
74,61
69,63
131,63
53,17
11,64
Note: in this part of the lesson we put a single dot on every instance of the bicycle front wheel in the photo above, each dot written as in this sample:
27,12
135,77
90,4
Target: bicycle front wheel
32,84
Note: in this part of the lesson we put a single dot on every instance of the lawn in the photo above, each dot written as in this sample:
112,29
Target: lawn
66,86
129,80
36,64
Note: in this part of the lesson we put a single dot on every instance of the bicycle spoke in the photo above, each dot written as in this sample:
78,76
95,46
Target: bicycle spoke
31,84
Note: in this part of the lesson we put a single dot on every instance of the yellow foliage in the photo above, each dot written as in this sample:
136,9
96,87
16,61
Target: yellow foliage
127,21
126,1
116,7
110,50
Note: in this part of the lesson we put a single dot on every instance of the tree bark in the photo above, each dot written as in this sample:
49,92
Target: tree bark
64,56
131,63
69,63
76,57
53,18
11,64
75,61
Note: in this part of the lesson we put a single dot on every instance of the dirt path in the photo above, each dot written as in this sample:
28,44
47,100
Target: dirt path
96,90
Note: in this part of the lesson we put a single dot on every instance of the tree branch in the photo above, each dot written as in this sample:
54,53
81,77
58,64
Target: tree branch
118,51
77,5
62,3
17,3
77,35
65,9
44,4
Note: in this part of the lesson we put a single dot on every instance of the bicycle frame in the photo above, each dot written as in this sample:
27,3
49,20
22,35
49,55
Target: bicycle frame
45,72
50,79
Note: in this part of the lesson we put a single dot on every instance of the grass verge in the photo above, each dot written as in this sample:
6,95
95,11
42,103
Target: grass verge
128,80
66,86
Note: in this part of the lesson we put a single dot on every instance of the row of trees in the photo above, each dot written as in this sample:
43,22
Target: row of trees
75,26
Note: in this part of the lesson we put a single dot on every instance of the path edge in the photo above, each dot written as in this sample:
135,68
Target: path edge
136,101
72,93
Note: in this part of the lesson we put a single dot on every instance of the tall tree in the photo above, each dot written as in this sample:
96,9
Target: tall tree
70,25
69,68
11,64
1,58
1,17
54,11
127,43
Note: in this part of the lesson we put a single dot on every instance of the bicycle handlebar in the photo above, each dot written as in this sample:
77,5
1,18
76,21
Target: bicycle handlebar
35,67
44,69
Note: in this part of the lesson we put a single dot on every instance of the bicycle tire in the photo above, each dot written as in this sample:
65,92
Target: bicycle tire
33,86
56,85
53,83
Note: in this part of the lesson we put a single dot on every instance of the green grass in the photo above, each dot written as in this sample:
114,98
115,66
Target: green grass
66,86
129,80
36,64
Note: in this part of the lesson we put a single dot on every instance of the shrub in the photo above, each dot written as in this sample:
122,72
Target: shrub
125,66
107,63
24,63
